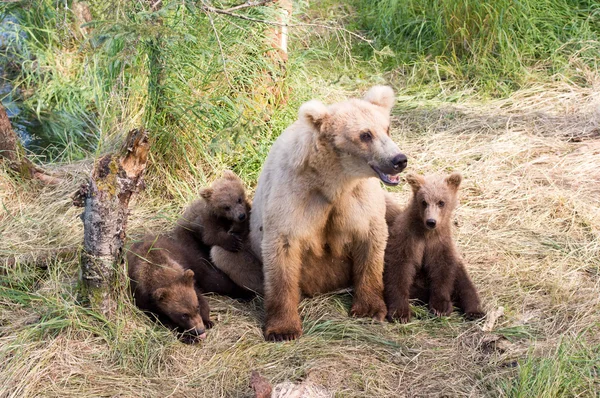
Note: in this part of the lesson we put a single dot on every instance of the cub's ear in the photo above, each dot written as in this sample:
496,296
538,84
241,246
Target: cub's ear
188,277
160,294
382,96
230,175
415,181
314,112
454,180
206,193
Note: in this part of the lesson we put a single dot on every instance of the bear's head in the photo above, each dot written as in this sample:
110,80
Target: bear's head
434,198
358,130
180,303
226,198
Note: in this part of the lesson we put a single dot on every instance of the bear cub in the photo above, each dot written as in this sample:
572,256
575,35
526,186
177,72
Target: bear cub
220,218
421,260
169,272
165,289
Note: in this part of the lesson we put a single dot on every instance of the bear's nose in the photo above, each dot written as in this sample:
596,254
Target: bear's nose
198,331
242,217
399,162
430,223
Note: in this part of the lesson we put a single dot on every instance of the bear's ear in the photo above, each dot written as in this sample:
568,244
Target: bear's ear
314,112
382,96
415,181
160,294
188,277
206,193
454,180
230,175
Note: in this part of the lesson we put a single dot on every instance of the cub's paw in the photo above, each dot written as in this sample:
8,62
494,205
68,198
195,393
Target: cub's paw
283,331
440,306
474,314
373,307
233,244
399,313
208,324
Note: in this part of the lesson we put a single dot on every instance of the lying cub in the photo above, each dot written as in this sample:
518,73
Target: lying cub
157,262
421,260
163,288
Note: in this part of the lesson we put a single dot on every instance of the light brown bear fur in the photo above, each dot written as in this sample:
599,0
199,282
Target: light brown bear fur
421,260
318,216
167,291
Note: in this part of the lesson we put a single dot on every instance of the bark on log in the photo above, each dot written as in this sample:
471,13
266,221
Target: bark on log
13,153
115,178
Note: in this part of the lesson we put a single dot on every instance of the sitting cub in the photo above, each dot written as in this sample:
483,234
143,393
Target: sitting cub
219,218
421,260
162,287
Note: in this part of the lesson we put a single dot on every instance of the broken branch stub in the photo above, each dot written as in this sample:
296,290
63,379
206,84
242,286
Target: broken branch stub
115,178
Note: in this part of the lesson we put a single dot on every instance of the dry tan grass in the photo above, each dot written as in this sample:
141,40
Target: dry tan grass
528,227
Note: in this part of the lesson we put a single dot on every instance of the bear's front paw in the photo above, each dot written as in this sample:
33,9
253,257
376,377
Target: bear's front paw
373,307
399,312
208,324
283,330
440,306
474,314
233,244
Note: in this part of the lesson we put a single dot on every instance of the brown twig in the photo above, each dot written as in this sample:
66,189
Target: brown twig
208,8
249,4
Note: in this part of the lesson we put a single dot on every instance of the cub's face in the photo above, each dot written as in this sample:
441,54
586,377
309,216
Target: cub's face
179,302
435,197
227,198
359,132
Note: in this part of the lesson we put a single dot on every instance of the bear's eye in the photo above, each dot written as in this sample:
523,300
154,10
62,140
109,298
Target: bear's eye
366,136
424,203
185,317
240,200
441,203
227,208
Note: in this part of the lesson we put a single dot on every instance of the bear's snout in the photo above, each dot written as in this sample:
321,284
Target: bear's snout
431,223
399,162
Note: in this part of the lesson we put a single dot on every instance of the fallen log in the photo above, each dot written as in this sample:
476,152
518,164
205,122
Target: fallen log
13,153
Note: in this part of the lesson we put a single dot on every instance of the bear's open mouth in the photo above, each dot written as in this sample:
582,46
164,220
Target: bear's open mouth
388,179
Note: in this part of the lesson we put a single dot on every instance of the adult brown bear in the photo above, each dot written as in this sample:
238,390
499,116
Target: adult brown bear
318,217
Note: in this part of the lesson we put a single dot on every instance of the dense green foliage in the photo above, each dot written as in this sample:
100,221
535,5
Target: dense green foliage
494,45
201,83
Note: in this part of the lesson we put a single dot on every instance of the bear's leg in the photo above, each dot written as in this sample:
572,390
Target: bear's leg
441,272
401,257
282,262
204,310
397,281
242,267
368,279
466,294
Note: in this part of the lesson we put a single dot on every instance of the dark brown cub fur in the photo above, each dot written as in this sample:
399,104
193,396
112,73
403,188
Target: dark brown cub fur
421,260
163,288
220,218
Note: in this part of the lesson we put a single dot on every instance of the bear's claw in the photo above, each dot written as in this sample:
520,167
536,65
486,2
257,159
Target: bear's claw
365,309
440,307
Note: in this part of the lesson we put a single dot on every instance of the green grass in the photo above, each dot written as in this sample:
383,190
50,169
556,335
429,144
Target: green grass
495,47
571,370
